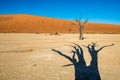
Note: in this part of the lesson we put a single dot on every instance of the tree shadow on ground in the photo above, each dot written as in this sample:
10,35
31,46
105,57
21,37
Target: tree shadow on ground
82,71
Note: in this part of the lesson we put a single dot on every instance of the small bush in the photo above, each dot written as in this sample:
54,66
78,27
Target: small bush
56,33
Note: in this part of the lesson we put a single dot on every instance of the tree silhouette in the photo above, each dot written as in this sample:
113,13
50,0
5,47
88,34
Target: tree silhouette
83,72
80,26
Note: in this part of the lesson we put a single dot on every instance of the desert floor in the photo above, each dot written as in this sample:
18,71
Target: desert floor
29,56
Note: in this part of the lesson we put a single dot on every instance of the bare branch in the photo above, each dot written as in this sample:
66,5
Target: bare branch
77,52
88,47
94,43
79,23
80,19
74,56
67,65
73,23
79,47
105,46
86,21
69,58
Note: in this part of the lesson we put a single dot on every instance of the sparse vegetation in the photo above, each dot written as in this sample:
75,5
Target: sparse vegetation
55,33
70,31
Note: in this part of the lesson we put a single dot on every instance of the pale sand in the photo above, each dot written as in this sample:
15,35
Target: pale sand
29,56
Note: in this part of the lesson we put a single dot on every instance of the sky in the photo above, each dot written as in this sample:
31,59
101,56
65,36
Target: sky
97,11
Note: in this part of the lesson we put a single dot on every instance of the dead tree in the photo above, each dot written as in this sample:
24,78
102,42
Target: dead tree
80,26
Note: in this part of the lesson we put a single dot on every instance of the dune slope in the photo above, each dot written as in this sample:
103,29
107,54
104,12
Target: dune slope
37,24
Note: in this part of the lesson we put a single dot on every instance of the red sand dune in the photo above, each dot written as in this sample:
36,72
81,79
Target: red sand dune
36,24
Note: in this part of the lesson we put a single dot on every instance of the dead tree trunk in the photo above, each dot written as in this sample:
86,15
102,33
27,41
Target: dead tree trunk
80,26
81,34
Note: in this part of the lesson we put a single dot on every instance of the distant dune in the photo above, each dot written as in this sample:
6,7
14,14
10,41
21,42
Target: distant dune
37,24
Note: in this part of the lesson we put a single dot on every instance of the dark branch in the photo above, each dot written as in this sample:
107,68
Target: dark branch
67,65
76,52
69,58
104,47
73,57
75,25
86,21
81,51
88,47
93,45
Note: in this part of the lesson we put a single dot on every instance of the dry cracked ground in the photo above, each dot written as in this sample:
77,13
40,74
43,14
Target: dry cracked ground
29,56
